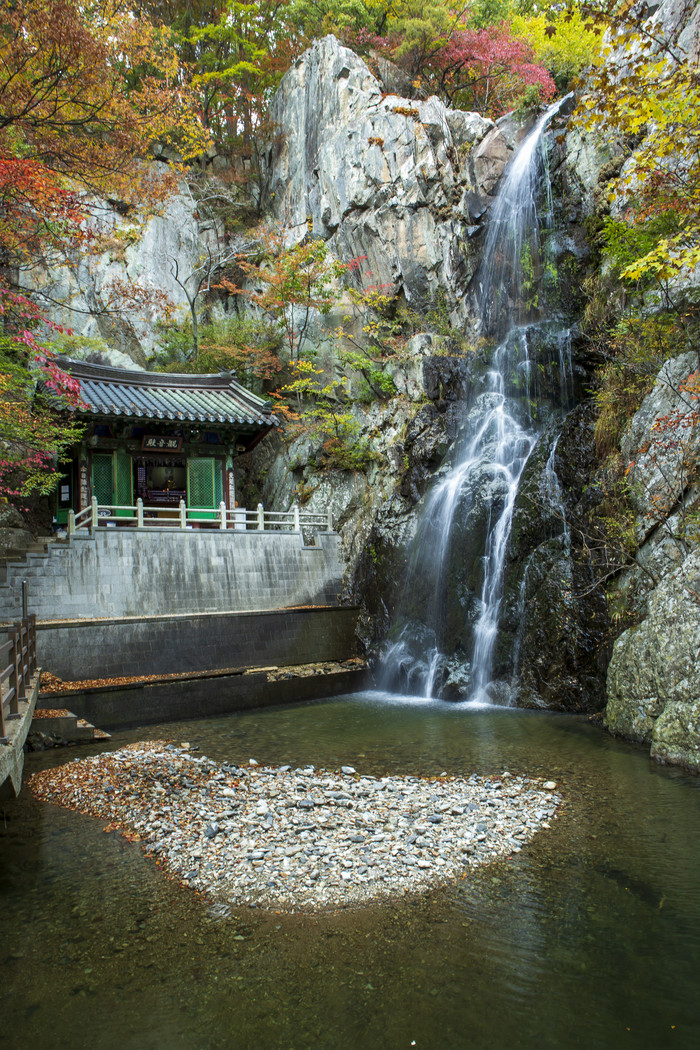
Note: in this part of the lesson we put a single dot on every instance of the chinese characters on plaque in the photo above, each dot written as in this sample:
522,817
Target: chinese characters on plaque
158,443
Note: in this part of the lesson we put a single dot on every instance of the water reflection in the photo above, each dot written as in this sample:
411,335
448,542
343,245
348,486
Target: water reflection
590,937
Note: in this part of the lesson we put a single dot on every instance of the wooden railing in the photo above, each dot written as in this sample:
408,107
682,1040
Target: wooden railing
20,653
99,515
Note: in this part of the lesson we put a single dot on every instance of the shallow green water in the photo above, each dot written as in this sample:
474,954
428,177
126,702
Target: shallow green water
588,938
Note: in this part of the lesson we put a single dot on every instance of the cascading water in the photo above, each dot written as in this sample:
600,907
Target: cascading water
476,495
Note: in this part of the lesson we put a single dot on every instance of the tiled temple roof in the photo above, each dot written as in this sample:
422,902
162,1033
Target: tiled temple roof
108,391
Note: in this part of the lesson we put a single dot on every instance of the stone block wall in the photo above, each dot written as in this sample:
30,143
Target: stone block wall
84,649
155,572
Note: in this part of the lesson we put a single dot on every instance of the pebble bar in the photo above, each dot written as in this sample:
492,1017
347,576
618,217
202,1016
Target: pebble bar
299,839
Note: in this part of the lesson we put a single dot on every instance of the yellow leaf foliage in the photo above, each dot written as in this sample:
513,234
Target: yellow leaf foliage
566,52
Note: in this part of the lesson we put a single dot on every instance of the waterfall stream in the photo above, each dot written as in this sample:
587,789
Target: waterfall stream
475,496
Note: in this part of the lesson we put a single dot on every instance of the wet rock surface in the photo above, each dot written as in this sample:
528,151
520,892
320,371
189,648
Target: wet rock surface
300,839
555,628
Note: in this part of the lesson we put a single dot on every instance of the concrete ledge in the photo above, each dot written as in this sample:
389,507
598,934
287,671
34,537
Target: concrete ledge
12,754
79,622
216,694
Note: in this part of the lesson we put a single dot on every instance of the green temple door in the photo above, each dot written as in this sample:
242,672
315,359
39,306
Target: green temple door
204,487
112,481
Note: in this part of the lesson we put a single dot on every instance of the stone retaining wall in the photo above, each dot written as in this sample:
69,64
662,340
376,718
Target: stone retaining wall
80,649
153,702
153,572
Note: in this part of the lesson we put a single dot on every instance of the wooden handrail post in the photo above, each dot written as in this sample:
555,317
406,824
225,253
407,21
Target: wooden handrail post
15,674
32,644
222,515
139,513
183,514
297,519
23,663
71,522
94,518
261,517
330,520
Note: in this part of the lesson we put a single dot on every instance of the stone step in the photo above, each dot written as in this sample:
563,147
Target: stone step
65,726
32,565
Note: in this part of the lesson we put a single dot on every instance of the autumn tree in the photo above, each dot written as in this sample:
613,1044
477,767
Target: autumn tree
315,18
240,57
563,40
646,91
451,49
290,286
33,391
489,69
327,418
645,96
83,92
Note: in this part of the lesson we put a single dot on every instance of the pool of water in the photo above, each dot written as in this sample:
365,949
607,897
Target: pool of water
588,938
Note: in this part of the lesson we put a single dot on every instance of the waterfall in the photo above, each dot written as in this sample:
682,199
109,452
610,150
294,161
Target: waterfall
464,526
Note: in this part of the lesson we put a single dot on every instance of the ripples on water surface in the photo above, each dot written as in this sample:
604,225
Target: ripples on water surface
588,938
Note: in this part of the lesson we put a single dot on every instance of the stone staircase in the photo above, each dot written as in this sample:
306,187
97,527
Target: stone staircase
32,566
54,727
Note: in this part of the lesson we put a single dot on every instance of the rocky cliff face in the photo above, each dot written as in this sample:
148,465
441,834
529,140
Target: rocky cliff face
87,291
554,625
402,182
654,676
653,687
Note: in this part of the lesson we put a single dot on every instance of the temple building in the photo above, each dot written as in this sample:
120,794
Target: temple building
161,438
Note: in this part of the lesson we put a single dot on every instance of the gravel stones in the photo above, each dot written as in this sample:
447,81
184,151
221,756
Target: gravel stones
299,840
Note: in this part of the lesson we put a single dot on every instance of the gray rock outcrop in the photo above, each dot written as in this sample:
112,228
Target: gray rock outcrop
401,182
654,674
653,685
661,445
115,297
15,537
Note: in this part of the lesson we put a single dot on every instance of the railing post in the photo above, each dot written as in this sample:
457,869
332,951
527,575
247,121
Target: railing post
297,520
15,677
183,514
261,517
330,520
25,607
24,637
71,522
222,515
32,644
139,513
95,520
